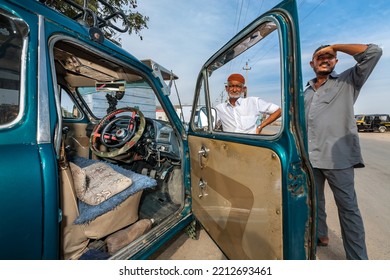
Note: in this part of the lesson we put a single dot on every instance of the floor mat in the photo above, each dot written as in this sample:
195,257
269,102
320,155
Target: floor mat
156,206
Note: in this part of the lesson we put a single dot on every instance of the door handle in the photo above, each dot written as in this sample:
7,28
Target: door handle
203,153
202,188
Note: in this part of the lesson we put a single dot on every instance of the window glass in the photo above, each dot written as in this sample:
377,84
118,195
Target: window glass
12,34
69,109
257,59
138,94
101,84
200,121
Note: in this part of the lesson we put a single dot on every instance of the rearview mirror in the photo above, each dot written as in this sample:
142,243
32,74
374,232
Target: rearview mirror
113,86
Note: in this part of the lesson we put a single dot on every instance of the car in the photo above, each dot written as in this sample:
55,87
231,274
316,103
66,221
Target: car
373,122
90,169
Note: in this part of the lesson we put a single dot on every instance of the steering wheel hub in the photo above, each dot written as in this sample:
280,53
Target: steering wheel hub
121,133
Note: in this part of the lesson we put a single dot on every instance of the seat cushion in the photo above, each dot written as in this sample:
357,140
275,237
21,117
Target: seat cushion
97,182
90,212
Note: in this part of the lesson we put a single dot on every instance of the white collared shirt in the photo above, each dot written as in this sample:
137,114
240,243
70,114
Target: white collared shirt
243,117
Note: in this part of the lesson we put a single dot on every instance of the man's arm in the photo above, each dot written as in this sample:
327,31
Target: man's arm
273,117
351,49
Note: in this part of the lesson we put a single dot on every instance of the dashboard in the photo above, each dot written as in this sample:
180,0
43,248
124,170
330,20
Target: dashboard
160,136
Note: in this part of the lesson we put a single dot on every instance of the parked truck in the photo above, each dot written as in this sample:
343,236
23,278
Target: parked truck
373,122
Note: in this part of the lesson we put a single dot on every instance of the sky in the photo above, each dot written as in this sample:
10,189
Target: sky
183,35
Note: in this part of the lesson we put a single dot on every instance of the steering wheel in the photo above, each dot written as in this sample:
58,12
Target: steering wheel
117,133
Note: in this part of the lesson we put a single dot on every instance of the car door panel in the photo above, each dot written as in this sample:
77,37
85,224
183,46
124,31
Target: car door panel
246,217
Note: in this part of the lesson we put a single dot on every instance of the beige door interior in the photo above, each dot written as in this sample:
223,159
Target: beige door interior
237,197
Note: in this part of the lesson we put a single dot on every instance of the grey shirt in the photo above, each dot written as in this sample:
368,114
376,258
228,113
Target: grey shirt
333,139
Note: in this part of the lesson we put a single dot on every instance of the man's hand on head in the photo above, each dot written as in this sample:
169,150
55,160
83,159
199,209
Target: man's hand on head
325,50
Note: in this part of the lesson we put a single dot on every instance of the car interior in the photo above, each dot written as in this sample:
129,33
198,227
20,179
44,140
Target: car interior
120,162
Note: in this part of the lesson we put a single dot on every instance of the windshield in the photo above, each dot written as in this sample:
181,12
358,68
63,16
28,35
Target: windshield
138,94
103,85
359,118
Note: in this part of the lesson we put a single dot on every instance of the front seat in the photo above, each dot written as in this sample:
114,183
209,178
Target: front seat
75,237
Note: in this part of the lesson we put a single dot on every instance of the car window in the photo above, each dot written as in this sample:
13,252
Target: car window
257,57
69,109
102,101
100,89
13,32
201,120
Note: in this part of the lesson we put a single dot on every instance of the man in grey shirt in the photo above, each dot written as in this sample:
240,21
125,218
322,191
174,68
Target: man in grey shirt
334,148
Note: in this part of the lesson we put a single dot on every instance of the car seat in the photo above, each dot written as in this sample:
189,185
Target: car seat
76,237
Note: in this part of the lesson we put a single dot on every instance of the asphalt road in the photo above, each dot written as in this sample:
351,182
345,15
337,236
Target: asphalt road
373,191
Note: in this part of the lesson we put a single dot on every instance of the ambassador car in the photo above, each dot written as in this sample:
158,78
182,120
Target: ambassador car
96,162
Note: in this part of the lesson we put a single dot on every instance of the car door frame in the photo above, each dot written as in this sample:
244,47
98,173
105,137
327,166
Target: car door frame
289,146
29,152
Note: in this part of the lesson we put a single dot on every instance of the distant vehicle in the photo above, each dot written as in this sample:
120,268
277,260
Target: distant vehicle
373,122
90,171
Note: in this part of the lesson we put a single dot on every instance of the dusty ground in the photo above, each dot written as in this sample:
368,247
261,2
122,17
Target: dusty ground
185,248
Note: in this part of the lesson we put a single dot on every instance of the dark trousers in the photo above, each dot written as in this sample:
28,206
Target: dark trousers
341,182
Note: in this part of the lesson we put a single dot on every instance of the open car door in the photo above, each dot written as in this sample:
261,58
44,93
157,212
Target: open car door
253,193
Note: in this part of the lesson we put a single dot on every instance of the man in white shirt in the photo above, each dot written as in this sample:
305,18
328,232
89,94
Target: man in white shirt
239,114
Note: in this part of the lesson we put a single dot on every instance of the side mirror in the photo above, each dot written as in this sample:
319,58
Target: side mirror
202,120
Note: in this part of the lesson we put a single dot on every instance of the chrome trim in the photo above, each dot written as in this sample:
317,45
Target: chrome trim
43,118
147,240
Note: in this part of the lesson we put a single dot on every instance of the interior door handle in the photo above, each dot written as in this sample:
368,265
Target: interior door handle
203,153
